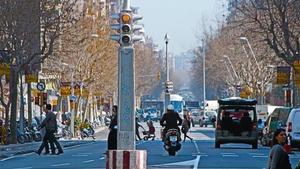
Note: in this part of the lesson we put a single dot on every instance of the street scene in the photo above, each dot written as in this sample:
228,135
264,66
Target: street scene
136,84
198,153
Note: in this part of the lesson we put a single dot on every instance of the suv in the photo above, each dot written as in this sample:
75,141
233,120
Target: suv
236,122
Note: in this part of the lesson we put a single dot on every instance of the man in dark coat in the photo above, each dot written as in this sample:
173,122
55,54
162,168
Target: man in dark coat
113,130
170,120
50,125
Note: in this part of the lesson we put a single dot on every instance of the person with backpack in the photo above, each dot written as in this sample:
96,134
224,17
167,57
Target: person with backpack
186,124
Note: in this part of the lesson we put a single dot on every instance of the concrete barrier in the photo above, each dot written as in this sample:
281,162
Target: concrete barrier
126,159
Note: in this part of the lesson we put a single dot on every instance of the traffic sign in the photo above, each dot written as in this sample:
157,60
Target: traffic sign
41,86
73,97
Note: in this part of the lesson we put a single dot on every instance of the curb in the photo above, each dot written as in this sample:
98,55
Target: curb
2,156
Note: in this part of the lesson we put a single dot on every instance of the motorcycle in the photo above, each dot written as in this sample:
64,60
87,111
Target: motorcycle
87,132
172,141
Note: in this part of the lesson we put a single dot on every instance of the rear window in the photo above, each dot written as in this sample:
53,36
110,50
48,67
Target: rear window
236,113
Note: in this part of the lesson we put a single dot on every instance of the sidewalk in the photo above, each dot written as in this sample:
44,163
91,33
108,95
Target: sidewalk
16,149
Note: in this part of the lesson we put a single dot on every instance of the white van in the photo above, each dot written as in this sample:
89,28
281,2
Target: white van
293,127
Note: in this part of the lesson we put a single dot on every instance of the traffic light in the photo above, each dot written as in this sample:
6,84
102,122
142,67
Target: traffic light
37,100
158,76
45,96
169,86
125,26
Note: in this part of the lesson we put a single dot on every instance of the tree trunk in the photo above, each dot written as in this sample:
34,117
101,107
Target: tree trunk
14,97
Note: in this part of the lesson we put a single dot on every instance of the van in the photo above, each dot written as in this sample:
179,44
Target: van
236,122
293,127
277,119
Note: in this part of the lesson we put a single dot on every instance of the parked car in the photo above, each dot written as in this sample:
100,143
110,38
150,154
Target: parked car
293,127
206,118
236,122
195,116
277,119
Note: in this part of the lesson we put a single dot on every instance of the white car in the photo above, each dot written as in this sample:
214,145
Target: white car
293,127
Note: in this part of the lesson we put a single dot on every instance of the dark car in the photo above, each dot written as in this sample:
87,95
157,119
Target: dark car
236,122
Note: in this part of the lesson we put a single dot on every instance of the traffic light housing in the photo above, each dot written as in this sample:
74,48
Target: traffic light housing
125,25
45,96
37,100
126,28
158,76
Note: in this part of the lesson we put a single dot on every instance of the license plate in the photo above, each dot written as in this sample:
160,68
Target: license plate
173,138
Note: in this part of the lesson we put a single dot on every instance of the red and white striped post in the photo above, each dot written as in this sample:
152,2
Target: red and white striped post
126,159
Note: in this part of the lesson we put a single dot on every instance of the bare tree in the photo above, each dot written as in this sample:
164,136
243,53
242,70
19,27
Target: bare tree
28,30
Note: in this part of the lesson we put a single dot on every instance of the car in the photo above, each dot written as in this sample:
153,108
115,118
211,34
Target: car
293,127
207,118
236,122
195,116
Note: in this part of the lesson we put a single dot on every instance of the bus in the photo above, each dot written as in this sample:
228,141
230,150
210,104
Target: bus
153,104
178,103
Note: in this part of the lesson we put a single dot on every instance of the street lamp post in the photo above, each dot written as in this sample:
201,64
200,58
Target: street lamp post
245,39
167,92
204,93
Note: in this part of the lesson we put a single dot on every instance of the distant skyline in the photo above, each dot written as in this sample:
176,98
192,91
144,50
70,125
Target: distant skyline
181,19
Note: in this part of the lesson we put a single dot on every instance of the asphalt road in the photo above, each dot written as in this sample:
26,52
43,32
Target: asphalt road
199,153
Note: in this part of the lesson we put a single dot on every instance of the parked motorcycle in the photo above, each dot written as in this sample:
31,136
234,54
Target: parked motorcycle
87,132
172,141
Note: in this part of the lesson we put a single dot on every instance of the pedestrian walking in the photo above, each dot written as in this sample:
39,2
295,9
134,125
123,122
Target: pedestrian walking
186,124
50,124
113,130
278,157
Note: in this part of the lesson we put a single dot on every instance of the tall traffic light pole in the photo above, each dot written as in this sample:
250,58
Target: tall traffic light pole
126,76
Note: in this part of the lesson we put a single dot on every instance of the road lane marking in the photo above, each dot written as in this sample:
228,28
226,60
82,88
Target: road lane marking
24,168
262,156
197,162
197,148
79,155
88,161
85,153
257,154
63,164
8,158
227,153
230,155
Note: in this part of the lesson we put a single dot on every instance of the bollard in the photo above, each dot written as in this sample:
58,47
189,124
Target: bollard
126,159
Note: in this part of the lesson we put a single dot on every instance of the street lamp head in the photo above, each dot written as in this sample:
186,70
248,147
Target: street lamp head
166,38
243,39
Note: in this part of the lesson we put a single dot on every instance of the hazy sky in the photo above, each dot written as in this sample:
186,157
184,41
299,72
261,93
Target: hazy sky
181,19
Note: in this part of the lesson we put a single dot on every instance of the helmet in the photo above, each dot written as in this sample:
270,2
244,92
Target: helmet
170,107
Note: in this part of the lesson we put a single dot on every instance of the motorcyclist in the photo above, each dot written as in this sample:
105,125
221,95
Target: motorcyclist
170,120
